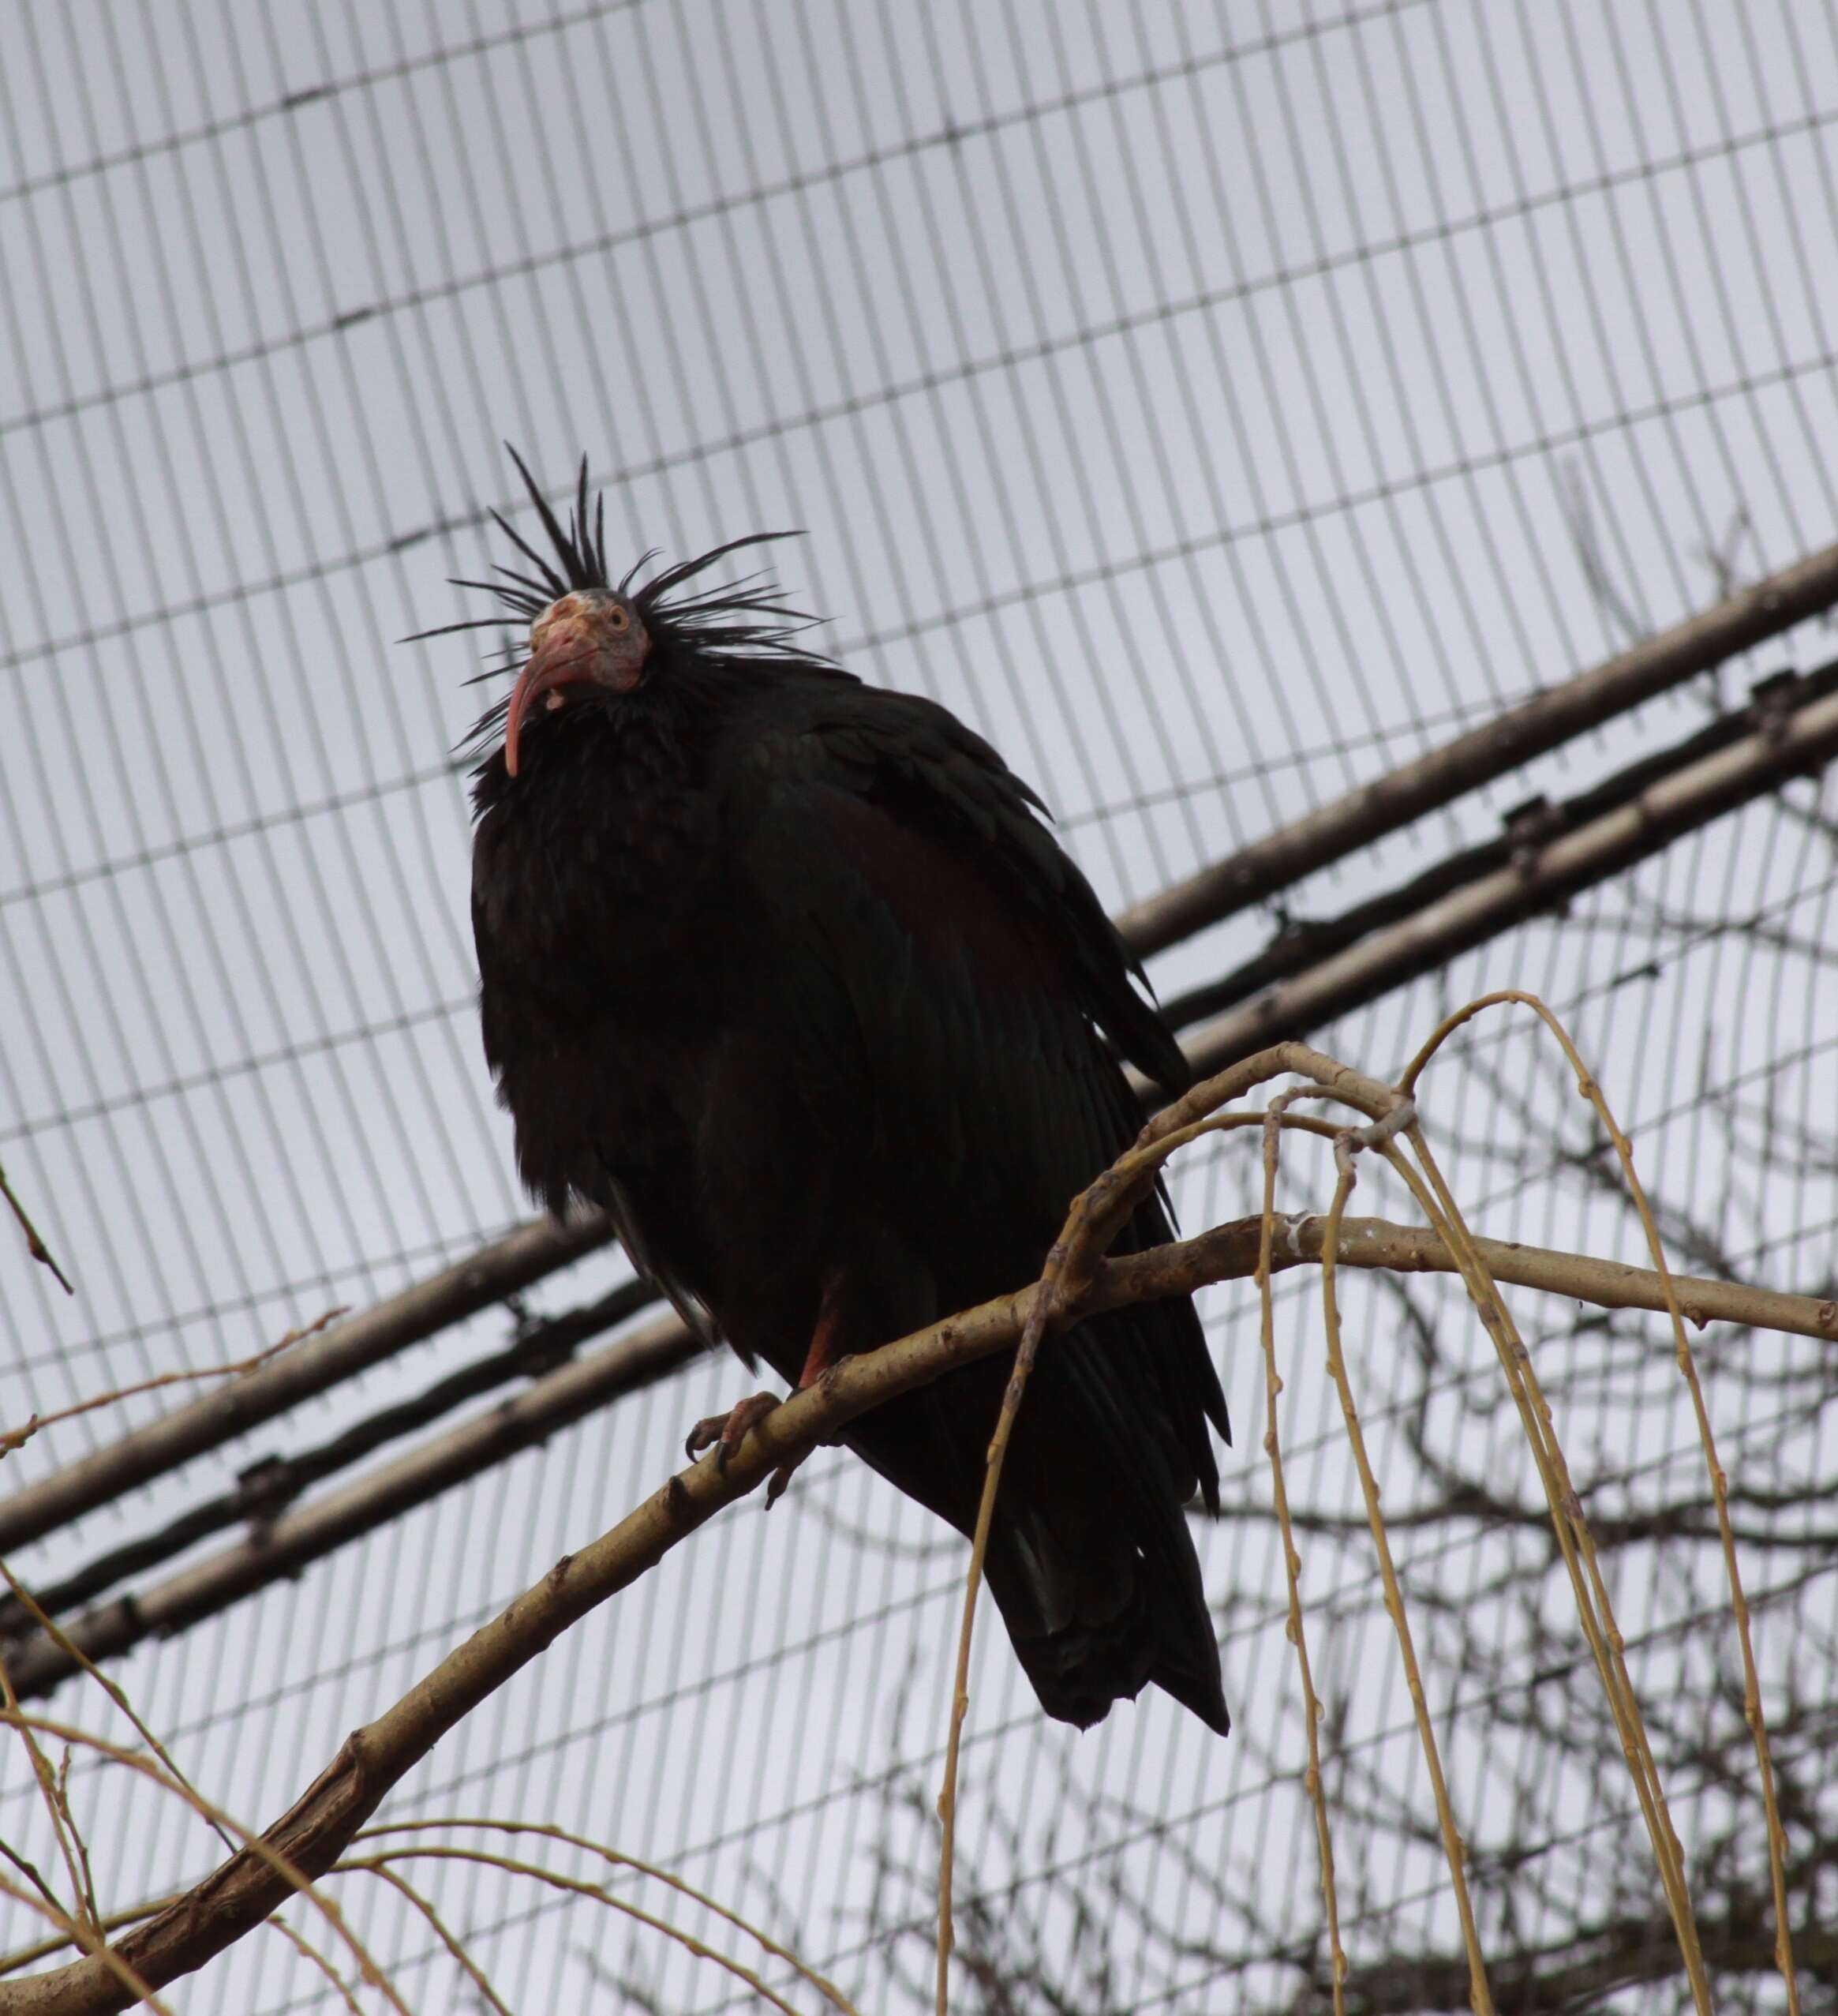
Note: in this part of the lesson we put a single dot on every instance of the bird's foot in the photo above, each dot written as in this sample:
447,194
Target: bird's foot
724,1432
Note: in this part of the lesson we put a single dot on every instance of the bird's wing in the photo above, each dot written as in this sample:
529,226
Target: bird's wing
950,971
915,763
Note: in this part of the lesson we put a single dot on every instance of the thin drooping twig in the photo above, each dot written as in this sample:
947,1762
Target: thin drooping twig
308,1532
1292,1561
1390,1110
1032,1332
1594,1609
49,1625
430,1852
34,1245
83,1917
289,1879
1589,1088
56,1634
1097,1214
618,1859
1388,1113
1480,1997
49,1900
455,1945
17,1438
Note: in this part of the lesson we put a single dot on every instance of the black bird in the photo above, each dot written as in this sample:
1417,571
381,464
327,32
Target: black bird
785,972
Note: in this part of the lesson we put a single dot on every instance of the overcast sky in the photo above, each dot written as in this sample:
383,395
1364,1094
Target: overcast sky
1203,402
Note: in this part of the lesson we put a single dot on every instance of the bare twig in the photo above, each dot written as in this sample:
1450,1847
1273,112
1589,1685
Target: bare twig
49,1626
82,1917
1589,1088
57,1636
34,1245
1594,1609
117,1969
1292,1561
17,1438
377,1864
618,1859
1480,1998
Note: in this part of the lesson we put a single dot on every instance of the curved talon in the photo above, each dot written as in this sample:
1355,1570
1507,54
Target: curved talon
724,1432
775,1489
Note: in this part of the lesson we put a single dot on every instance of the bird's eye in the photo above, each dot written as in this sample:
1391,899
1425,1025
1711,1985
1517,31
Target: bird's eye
618,619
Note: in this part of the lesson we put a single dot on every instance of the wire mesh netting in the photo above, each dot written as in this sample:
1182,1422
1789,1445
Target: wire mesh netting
1215,408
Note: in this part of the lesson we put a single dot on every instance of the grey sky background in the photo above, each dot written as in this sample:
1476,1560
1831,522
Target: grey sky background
1204,403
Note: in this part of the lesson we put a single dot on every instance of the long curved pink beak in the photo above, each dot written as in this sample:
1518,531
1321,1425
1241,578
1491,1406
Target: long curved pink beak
565,659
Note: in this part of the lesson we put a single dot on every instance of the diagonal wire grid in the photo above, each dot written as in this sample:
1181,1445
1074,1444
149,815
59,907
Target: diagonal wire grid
1216,407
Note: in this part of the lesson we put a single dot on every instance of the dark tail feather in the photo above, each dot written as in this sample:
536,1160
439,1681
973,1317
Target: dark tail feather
1135,1618
1188,1667
1091,1560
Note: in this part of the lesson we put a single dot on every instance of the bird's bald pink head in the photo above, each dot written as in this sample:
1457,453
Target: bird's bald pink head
588,637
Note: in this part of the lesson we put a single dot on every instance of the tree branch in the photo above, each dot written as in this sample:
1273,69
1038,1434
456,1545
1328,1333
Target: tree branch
311,1835
283,1546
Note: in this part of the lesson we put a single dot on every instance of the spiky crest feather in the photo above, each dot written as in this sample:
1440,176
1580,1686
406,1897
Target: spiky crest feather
737,620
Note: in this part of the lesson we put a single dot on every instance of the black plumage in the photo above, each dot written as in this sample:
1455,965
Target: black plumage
787,973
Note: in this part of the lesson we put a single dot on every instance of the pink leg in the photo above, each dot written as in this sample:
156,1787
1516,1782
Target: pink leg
822,1354
725,1432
